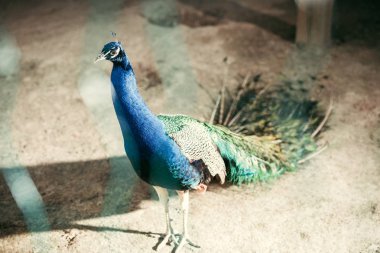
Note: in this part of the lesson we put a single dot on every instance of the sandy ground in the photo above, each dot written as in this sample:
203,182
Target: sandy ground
331,205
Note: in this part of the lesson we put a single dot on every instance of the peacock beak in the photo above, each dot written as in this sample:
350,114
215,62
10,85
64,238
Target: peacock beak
100,57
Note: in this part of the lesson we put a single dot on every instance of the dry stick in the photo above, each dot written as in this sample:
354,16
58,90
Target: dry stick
293,112
245,132
244,118
306,126
245,81
221,111
260,94
237,116
239,129
236,99
276,141
211,121
313,154
319,128
233,107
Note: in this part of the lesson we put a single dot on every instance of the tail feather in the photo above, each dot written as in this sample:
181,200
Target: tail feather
270,128
249,158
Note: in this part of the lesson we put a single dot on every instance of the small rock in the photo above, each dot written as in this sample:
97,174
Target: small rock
373,248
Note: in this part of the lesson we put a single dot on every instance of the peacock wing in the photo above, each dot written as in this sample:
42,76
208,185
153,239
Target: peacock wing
195,143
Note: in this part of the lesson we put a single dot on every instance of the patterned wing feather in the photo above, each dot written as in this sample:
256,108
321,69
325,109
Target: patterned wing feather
196,144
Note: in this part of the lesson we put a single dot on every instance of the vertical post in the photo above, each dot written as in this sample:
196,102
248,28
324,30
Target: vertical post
314,22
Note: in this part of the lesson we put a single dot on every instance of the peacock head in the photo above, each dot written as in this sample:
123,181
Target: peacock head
112,51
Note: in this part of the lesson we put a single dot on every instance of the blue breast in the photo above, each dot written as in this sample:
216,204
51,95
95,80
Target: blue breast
156,158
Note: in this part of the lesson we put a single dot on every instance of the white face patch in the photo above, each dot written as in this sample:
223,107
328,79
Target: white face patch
114,52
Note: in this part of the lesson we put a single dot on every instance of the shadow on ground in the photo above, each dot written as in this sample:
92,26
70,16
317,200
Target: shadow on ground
75,191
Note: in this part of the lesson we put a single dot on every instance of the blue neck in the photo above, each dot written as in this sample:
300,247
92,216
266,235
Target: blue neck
137,122
155,157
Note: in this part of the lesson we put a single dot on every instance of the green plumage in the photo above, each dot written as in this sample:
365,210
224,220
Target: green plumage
250,158
285,112
254,135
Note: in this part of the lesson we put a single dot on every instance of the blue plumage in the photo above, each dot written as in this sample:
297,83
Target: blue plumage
181,153
156,158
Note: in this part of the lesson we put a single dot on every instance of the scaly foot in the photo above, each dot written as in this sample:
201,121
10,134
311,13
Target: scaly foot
169,238
183,241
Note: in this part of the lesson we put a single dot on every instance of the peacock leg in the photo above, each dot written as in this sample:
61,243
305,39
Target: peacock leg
184,195
163,195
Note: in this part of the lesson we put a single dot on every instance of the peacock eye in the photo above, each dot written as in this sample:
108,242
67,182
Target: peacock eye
113,52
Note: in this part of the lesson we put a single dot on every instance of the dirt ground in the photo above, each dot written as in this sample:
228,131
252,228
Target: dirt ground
73,150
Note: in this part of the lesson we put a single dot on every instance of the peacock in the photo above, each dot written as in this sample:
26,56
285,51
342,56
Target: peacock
251,137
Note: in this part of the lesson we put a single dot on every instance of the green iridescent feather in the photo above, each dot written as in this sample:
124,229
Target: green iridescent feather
250,158
260,133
